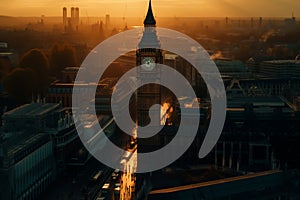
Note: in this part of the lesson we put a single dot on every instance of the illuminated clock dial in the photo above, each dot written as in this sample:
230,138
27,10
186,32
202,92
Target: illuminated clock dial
148,64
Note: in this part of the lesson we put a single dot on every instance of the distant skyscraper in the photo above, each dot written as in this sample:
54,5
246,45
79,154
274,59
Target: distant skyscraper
293,16
65,16
101,30
260,21
290,22
71,23
107,20
72,12
76,18
77,15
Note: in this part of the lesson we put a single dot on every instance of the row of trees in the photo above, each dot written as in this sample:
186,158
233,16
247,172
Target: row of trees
32,76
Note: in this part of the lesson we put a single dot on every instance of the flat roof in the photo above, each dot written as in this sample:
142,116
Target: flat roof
33,109
272,101
19,142
282,61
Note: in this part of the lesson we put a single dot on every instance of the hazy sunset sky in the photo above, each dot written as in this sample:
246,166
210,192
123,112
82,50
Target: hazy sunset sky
162,8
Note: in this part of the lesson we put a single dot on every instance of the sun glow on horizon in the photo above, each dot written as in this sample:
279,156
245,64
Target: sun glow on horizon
162,8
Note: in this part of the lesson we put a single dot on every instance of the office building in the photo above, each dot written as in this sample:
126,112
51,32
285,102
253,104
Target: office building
280,69
37,141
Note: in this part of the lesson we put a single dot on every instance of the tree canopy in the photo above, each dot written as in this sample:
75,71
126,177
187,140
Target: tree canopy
22,84
30,78
38,62
62,56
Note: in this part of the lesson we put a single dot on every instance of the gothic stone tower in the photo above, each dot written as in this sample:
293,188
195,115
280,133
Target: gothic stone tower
149,94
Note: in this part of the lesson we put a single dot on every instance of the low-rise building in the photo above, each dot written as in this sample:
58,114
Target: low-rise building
27,166
36,141
280,69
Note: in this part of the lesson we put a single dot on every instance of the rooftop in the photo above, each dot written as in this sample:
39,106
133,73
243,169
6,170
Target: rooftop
33,109
16,147
268,101
17,143
282,62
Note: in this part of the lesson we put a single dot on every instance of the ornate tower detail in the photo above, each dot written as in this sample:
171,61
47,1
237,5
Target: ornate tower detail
147,54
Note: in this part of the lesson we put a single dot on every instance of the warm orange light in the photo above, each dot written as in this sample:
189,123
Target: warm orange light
166,112
162,8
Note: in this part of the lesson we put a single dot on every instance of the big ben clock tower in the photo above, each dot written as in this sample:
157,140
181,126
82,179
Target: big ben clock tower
146,58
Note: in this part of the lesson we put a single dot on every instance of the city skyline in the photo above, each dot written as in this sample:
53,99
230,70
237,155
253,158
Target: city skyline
96,108
163,8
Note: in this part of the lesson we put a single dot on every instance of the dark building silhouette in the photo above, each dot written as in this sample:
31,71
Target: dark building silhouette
36,141
71,23
290,22
65,17
72,13
107,21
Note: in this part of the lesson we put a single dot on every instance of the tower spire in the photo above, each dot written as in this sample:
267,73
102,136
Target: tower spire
149,20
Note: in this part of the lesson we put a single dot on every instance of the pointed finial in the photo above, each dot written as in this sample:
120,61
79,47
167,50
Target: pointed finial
149,20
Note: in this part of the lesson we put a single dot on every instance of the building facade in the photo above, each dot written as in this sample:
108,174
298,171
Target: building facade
27,166
36,142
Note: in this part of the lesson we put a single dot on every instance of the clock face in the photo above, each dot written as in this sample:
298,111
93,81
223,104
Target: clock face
148,64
